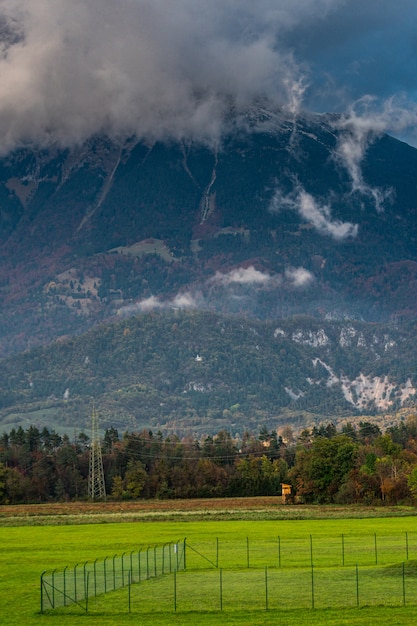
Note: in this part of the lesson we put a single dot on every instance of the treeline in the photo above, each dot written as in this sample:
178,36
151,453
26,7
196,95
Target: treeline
323,465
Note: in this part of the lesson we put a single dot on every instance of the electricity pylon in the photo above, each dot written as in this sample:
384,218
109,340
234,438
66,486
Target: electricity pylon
96,484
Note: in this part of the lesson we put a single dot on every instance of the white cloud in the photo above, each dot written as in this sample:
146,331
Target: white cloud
185,301
155,68
180,301
242,276
360,126
149,304
299,276
164,69
313,212
319,215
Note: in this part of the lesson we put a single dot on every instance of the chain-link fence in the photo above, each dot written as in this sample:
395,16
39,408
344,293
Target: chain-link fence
78,584
303,551
247,574
259,589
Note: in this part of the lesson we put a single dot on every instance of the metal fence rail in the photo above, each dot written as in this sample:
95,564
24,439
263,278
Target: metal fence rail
76,585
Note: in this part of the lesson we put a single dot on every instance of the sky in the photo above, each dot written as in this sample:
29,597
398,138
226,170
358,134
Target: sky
175,68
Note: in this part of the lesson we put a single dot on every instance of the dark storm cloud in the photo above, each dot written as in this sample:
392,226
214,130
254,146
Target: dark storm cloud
159,68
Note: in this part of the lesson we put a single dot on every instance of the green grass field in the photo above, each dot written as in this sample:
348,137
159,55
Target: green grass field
28,550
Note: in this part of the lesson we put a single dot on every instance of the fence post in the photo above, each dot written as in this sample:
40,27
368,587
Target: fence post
217,552
139,564
105,574
247,553
185,563
123,569
131,563
147,563
312,586
42,575
154,561
266,588
75,582
85,581
311,551
221,589
163,558
53,589
95,578
357,585
65,586
175,590
129,583
114,572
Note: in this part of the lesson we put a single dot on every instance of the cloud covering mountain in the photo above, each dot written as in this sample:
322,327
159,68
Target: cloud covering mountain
158,69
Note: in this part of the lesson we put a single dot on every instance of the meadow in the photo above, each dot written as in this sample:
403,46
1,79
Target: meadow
32,545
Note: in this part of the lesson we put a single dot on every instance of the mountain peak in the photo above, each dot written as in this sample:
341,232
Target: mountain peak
290,214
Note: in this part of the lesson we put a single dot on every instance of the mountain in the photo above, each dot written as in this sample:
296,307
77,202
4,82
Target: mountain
200,372
302,216
277,220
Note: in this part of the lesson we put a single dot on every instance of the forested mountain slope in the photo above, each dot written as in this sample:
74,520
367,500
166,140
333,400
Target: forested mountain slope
199,372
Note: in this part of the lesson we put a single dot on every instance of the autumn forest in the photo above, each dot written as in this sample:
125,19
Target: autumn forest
356,464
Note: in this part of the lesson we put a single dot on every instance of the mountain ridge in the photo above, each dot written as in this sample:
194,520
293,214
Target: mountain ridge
288,216
201,371
277,199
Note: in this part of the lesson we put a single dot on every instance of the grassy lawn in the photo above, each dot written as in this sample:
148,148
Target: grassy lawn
28,550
